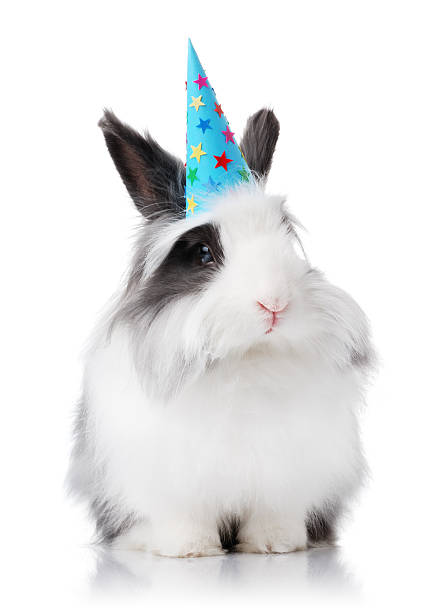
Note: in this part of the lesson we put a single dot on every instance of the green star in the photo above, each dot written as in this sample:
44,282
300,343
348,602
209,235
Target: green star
244,175
192,175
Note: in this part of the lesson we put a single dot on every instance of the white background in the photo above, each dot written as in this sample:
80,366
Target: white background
351,85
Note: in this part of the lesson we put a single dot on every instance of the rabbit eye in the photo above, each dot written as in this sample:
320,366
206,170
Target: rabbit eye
204,255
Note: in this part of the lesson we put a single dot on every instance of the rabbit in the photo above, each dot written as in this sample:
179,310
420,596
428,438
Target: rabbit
222,387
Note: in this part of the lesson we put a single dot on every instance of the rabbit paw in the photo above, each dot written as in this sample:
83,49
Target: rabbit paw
258,537
185,539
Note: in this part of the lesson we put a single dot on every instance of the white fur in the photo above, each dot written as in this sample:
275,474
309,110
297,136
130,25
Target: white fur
261,426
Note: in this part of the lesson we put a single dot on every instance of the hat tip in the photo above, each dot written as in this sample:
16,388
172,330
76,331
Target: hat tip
191,48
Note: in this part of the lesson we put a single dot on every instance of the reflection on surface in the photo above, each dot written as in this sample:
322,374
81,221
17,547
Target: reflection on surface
318,571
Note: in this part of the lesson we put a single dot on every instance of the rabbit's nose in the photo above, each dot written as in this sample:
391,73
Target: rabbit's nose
274,309
274,306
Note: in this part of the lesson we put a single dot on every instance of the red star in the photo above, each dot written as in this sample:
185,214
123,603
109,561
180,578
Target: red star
222,161
228,135
202,81
218,109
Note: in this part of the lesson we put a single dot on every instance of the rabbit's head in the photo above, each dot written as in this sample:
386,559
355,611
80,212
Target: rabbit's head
225,284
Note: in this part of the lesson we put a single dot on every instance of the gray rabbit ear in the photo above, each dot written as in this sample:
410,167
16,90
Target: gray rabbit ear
154,178
259,141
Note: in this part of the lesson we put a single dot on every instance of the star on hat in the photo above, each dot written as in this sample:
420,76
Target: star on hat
212,149
197,152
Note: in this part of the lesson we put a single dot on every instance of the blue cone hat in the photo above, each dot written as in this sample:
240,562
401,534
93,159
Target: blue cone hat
214,161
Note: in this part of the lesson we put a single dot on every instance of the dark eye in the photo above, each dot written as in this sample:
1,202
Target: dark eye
204,255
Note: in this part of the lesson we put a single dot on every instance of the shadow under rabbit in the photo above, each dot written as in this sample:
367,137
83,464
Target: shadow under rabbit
315,572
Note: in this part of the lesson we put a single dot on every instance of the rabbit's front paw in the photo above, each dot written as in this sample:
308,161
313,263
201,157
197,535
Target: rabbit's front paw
186,539
258,536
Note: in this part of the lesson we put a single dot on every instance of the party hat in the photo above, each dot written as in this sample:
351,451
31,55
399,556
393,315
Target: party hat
214,161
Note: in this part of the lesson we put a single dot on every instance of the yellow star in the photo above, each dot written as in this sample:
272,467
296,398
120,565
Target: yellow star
197,152
191,204
197,102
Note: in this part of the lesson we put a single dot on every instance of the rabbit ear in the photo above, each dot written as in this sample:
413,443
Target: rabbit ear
154,178
259,141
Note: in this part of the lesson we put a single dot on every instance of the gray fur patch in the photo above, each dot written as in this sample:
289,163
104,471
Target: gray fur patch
111,521
321,524
228,528
180,274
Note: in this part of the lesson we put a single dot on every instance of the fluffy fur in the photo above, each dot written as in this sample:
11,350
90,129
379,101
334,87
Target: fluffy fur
207,422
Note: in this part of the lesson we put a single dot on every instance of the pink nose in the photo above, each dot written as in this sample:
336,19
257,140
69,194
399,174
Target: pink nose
272,307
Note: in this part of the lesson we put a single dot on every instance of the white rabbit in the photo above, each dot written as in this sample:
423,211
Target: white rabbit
221,391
